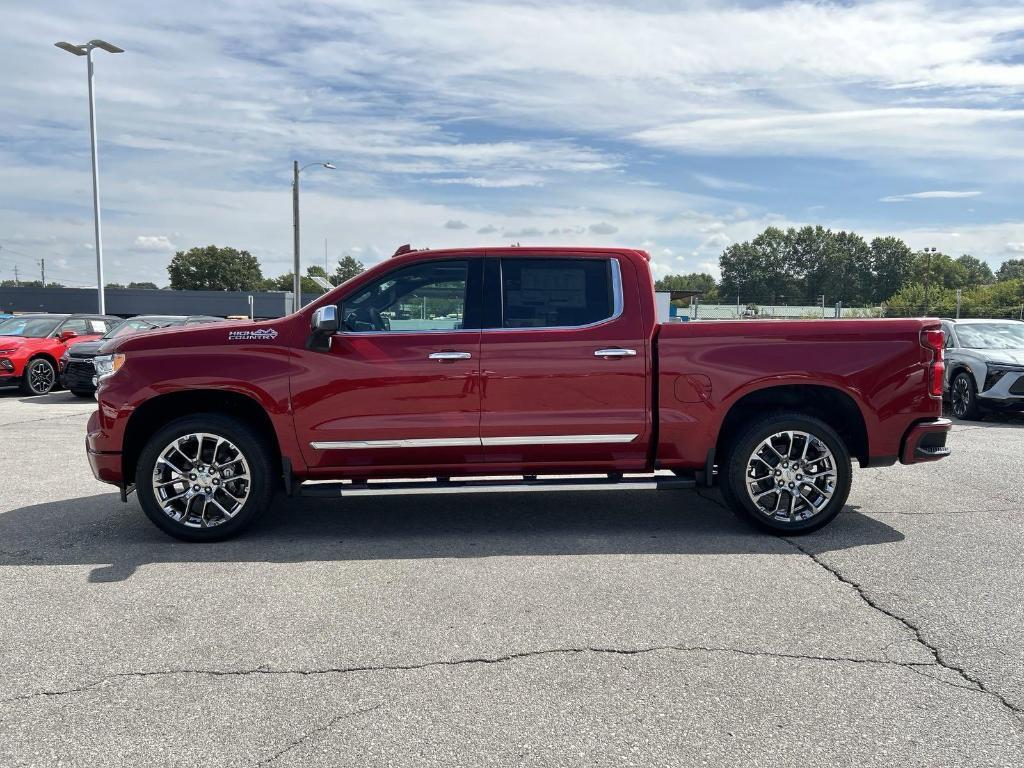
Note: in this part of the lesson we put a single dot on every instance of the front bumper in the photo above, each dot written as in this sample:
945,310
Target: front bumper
1007,392
926,441
78,376
106,465
9,381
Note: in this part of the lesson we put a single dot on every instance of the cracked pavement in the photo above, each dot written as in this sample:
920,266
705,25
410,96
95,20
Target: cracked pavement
601,628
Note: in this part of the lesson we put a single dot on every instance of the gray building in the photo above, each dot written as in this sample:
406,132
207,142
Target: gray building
133,301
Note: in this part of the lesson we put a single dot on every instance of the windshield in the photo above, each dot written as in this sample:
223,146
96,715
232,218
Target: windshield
991,335
30,327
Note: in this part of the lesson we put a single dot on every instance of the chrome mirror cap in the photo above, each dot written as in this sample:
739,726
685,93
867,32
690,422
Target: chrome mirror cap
325,319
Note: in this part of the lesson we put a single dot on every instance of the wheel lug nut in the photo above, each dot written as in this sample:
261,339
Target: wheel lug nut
195,487
791,485
192,476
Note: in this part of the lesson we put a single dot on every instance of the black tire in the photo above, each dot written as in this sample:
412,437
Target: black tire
963,397
739,455
39,377
83,393
254,448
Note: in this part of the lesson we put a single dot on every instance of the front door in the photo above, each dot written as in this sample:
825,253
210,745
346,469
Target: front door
564,369
398,387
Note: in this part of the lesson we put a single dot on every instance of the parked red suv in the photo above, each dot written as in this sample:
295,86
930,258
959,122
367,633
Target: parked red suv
31,347
528,364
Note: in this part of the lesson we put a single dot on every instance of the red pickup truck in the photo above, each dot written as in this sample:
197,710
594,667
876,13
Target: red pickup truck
545,368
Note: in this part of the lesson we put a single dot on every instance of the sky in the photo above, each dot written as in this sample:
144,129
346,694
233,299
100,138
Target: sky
677,127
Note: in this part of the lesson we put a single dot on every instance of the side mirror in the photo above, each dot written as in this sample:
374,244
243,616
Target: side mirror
325,320
68,334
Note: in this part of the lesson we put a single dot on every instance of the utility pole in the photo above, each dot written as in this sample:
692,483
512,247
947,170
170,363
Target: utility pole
17,283
957,303
42,272
821,299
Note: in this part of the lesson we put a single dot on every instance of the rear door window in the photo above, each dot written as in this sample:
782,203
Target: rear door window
556,293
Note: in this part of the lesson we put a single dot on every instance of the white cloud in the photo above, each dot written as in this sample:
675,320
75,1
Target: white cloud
718,183
154,243
455,224
603,228
938,194
487,229
496,183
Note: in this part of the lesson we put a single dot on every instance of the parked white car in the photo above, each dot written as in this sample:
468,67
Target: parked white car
984,366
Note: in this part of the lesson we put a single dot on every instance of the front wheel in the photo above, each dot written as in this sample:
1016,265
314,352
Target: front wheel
39,378
963,397
205,477
788,474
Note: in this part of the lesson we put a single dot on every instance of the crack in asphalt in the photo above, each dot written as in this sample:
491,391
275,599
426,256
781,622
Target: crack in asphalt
474,660
974,683
46,418
294,744
936,652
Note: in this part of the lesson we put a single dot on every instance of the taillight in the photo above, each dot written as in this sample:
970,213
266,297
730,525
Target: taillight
935,340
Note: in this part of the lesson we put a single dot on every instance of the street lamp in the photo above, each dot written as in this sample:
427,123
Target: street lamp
297,282
86,50
928,275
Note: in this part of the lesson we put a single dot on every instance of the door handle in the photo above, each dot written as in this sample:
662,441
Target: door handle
449,356
608,354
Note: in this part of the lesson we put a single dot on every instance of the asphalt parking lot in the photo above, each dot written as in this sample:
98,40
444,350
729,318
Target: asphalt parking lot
606,628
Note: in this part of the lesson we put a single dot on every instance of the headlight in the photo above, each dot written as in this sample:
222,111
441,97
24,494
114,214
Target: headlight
65,356
107,365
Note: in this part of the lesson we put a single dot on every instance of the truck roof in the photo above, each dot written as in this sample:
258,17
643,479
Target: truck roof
524,249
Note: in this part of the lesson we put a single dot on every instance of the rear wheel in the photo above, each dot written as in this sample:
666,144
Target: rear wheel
39,377
963,397
788,474
205,477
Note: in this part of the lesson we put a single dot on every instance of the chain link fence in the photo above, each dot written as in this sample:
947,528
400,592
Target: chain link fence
747,310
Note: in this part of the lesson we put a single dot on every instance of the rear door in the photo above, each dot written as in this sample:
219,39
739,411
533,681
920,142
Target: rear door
563,363
398,386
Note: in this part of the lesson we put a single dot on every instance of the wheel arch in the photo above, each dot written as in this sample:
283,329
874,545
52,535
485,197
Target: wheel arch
835,407
163,409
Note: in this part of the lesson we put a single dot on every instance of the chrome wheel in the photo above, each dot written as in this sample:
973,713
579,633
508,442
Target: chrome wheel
960,396
201,480
41,377
791,476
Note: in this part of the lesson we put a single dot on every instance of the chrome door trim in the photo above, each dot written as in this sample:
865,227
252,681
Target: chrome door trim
458,442
449,355
430,442
559,439
615,352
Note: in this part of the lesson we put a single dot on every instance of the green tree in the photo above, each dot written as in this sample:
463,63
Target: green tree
1011,269
843,271
116,286
286,282
892,264
694,281
29,284
937,270
348,267
215,269
762,268
976,271
145,284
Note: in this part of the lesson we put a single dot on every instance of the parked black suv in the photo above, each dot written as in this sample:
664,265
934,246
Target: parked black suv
76,366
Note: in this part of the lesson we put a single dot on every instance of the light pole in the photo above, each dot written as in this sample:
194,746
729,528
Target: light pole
297,281
86,50
928,275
